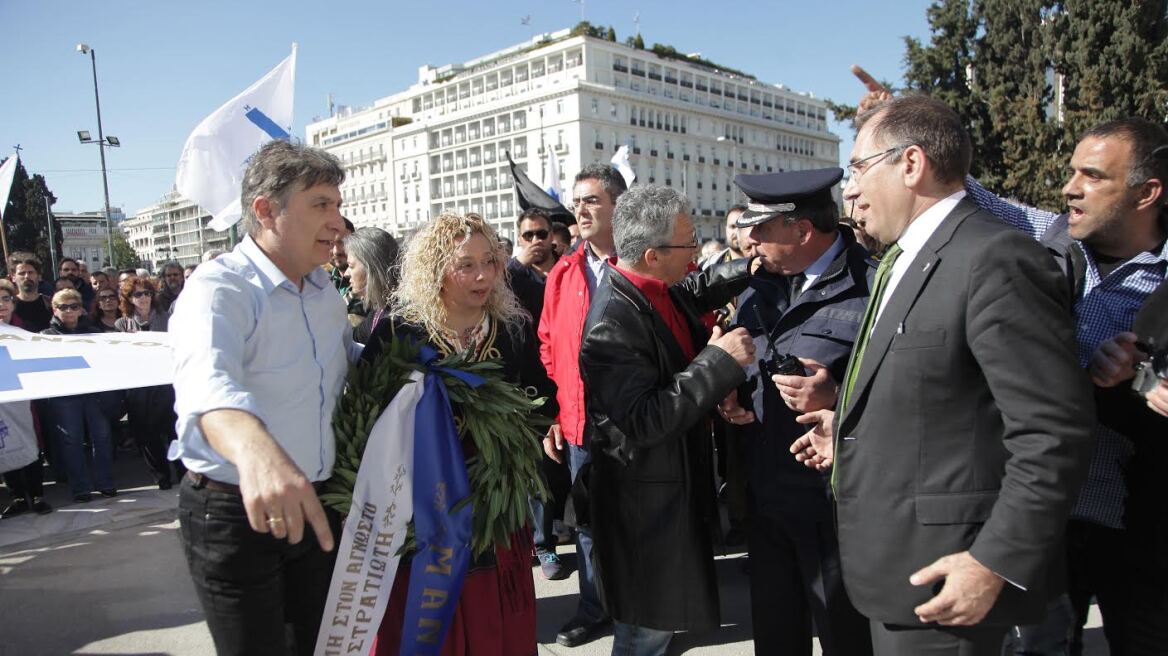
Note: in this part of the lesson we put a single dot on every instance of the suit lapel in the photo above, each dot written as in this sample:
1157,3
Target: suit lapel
901,302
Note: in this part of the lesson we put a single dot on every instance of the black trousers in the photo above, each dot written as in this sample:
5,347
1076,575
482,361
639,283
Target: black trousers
891,640
1118,568
152,419
250,584
29,480
795,579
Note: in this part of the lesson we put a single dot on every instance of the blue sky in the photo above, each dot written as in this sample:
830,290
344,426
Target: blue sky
164,65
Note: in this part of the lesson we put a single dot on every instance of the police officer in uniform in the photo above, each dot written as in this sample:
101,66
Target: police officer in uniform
807,300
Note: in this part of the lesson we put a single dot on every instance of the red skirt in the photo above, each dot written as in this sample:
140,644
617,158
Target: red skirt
495,615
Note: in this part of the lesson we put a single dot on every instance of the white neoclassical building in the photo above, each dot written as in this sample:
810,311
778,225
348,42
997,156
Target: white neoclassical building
442,144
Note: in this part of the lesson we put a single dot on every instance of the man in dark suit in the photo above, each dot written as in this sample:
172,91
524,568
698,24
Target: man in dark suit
963,426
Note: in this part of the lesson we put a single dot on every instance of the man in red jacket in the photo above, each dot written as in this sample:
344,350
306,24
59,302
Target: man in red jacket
570,286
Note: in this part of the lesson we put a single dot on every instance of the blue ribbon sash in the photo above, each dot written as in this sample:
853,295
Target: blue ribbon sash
442,537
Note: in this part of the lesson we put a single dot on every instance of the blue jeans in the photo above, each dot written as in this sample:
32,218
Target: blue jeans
630,640
589,608
69,418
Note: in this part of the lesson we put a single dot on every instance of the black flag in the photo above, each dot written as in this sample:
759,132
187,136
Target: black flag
529,195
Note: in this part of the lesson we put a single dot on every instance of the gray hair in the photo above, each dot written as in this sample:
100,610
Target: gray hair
281,168
170,264
378,251
645,218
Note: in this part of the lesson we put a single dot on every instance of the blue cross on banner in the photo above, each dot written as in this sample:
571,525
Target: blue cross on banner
266,124
11,369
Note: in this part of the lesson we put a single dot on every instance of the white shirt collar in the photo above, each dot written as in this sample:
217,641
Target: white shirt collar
271,276
919,231
913,240
819,266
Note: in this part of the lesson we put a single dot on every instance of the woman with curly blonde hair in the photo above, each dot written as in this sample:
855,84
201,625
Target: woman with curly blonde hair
453,295
444,248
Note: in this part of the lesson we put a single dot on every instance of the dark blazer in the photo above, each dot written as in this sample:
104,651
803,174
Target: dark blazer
969,426
821,325
651,482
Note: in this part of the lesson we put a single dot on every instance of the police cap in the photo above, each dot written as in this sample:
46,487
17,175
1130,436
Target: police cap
774,194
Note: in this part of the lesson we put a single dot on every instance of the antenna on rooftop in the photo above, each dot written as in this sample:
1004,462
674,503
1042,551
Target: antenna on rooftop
637,23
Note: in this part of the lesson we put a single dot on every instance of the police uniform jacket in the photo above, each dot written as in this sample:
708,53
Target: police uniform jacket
821,325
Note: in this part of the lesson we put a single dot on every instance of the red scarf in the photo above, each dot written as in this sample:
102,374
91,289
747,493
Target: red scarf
658,294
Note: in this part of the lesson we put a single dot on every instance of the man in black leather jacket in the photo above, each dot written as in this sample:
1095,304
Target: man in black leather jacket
651,380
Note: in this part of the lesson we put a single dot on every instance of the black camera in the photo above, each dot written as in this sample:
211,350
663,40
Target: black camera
1150,372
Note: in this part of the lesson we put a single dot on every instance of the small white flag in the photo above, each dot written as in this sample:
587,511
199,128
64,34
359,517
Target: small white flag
620,161
551,177
7,173
216,154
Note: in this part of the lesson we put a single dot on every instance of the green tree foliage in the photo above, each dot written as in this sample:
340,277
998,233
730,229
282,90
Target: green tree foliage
586,28
125,254
1114,60
1001,64
25,224
1019,148
638,42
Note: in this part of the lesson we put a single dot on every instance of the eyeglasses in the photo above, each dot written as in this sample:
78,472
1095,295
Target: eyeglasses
141,293
588,201
855,170
104,297
69,307
691,245
6,299
534,234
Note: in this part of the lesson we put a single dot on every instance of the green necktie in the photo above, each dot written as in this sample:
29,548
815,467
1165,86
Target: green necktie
883,273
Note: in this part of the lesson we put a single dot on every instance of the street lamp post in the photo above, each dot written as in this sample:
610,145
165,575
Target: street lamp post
52,236
102,144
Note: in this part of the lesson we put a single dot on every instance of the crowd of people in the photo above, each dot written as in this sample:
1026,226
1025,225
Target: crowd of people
80,434
918,412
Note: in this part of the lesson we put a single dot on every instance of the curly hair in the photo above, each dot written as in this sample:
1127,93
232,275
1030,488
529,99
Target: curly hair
429,256
126,294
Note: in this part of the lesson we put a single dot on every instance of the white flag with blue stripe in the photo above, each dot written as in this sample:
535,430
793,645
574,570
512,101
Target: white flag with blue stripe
210,170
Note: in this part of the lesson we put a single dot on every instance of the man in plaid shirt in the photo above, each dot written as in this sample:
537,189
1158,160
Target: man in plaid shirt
1112,245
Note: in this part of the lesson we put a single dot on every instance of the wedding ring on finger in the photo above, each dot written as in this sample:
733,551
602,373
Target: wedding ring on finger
274,522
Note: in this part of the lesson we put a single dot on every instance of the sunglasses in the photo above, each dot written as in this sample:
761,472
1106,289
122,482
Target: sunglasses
107,297
69,307
141,293
534,234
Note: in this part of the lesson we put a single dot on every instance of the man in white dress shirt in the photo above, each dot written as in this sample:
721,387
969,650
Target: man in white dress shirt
261,347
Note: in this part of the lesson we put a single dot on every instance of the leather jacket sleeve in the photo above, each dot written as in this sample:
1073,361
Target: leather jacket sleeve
714,287
628,404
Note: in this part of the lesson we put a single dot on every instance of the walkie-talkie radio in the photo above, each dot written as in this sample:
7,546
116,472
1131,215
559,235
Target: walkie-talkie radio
774,364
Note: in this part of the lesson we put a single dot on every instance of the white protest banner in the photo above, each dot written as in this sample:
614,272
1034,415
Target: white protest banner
34,366
210,170
375,530
7,174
